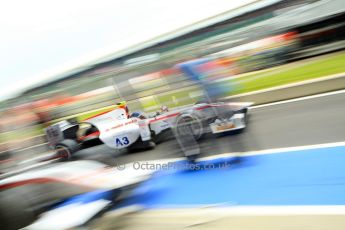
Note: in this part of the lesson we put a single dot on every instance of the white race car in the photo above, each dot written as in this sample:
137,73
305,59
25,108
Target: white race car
65,194
118,129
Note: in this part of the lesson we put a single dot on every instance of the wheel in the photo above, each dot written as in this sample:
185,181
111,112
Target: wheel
190,122
66,148
187,132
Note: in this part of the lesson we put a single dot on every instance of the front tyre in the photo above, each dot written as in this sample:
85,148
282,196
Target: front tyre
187,132
190,123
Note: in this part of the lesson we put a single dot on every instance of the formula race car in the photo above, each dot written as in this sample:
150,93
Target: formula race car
64,195
119,129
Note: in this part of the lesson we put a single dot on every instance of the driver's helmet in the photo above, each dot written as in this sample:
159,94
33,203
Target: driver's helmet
124,106
164,109
138,114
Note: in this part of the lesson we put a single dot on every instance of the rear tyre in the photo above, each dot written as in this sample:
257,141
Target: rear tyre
66,148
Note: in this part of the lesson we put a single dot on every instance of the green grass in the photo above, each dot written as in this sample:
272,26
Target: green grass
289,74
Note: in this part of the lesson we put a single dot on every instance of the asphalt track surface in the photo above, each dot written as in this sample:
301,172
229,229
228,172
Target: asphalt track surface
305,122
303,177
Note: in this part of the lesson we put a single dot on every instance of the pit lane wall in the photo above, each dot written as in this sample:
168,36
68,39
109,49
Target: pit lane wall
294,90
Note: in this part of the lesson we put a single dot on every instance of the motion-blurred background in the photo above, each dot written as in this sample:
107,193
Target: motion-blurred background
284,170
258,45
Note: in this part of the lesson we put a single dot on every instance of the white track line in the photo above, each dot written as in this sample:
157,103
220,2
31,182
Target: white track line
299,99
274,150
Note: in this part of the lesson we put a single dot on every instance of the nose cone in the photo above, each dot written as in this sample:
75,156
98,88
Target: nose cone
121,135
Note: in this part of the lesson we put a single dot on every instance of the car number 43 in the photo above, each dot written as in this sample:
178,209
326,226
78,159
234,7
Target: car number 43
121,141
